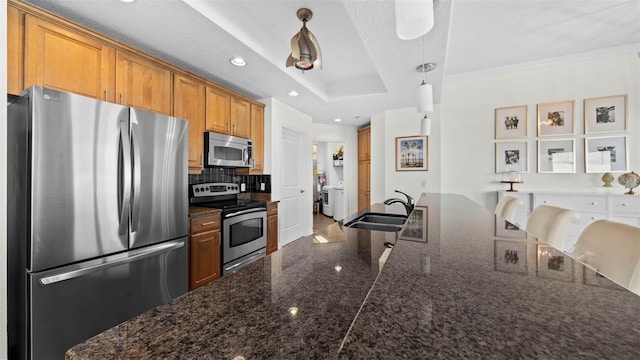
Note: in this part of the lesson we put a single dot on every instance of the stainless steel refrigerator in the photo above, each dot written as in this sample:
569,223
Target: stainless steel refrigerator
97,217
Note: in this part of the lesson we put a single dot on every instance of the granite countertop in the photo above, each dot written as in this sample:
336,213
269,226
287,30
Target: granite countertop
450,289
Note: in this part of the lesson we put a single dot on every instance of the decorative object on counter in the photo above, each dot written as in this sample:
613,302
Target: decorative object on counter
412,153
556,156
556,118
305,51
630,181
511,177
607,178
605,114
512,157
512,122
413,18
605,154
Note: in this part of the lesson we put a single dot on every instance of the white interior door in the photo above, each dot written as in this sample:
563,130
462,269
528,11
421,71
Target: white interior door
292,189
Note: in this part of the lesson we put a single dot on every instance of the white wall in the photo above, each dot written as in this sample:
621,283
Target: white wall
3,184
278,115
467,126
385,179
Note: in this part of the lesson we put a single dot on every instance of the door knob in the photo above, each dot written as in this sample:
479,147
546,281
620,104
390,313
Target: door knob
301,191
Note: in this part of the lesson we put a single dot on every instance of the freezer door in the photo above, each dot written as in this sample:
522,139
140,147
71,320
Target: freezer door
79,208
71,304
159,207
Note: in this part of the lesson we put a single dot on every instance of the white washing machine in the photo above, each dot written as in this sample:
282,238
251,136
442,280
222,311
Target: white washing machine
327,200
338,202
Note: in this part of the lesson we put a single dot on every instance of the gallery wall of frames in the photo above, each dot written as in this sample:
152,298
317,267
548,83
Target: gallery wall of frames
604,141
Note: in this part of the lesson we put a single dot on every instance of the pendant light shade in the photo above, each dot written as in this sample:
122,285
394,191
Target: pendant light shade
425,98
425,126
305,51
414,18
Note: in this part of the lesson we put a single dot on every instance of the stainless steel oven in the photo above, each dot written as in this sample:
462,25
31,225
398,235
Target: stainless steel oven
244,237
244,223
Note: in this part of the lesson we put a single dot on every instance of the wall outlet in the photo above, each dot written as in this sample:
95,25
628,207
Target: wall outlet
262,187
243,187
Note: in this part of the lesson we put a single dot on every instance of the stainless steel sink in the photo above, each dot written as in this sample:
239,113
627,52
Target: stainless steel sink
378,221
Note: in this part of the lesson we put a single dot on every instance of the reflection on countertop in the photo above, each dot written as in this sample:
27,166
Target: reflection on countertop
450,289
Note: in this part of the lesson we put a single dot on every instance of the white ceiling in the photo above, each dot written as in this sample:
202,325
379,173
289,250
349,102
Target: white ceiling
366,68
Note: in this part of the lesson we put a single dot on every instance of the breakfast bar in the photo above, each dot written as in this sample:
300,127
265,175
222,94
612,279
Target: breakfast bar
449,289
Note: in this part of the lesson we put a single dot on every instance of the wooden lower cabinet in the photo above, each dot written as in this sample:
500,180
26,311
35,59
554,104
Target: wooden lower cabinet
204,250
272,227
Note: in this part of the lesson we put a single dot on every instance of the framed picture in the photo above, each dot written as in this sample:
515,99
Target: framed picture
555,118
594,278
506,229
512,122
554,264
512,156
412,153
606,154
605,114
415,228
510,256
556,156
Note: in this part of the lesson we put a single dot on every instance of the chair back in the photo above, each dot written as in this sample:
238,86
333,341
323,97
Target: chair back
613,249
507,206
549,224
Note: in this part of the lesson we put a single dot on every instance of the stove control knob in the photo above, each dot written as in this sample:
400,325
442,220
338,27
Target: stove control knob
197,190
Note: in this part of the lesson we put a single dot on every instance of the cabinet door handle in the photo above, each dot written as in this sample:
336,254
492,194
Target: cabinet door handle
106,94
594,203
208,223
594,218
121,98
625,204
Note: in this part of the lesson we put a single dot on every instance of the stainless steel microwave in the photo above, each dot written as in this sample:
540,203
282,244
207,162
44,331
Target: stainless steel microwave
227,150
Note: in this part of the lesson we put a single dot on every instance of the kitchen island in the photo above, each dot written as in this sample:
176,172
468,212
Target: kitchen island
450,289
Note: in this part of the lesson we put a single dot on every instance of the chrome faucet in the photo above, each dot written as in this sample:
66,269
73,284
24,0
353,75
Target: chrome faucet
408,205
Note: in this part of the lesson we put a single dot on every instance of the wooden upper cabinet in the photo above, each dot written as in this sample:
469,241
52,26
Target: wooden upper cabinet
240,118
59,58
257,138
364,144
15,31
218,113
189,104
143,84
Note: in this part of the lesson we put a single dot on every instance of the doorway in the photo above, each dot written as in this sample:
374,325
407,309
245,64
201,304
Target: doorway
328,182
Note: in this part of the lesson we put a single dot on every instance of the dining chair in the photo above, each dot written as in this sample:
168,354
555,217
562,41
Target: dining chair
549,224
613,249
507,206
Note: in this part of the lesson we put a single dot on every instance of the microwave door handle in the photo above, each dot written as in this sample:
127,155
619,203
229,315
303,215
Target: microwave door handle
245,155
137,176
124,177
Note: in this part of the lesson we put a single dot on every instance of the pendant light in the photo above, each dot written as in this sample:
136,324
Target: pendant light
305,51
414,18
425,94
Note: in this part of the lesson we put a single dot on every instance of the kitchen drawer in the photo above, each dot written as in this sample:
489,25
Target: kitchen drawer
626,219
580,203
205,223
272,209
620,204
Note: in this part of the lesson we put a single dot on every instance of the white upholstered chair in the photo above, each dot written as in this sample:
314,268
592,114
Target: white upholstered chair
507,206
549,224
613,249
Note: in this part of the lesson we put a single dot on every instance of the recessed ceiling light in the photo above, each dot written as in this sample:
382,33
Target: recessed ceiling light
128,1
238,61
292,93
337,119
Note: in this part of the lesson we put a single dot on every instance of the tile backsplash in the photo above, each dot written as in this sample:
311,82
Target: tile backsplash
253,183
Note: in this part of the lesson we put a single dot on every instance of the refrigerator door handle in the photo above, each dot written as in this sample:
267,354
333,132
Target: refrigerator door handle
134,255
125,178
137,175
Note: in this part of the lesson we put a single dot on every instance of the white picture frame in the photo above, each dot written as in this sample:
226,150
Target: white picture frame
556,118
557,156
606,154
605,114
512,156
512,122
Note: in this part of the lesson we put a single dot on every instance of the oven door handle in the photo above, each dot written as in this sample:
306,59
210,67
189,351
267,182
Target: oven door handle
248,211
